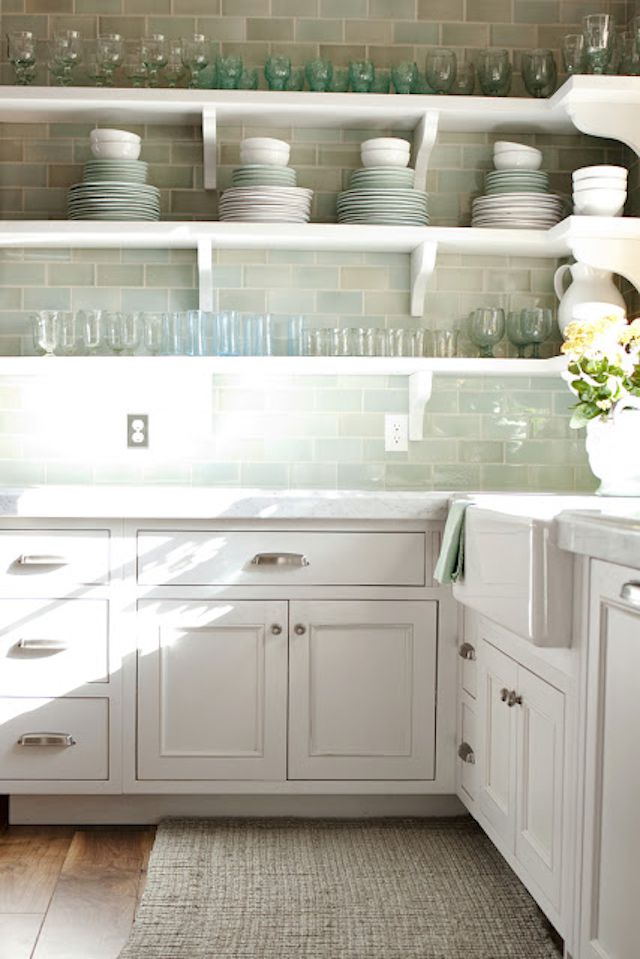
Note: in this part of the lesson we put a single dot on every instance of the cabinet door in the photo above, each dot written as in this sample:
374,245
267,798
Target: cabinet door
212,690
540,722
362,690
496,796
611,838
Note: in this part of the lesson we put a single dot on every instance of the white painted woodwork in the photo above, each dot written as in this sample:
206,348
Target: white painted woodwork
469,666
85,556
212,690
497,742
611,833
467,777
221,557
540,772
362,682
78,626
86,720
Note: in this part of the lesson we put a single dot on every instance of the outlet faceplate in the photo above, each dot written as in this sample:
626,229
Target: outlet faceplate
396,433
138,431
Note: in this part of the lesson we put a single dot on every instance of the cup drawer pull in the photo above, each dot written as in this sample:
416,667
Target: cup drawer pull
467,651
280,559
631,593
466,753
46,739
43,645
42,559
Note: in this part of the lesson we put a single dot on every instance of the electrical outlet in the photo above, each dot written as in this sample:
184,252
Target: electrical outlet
138,431
396,433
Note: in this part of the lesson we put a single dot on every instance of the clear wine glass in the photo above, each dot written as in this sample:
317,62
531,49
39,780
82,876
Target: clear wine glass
67,340
516,333
154,326
537,324
440,71
485,328
91,324
539,72
66,49
494,72
155,53
136,70
22,55
110,54
44,326
195,57
174,70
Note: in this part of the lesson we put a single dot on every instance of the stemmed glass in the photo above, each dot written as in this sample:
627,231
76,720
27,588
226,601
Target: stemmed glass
122,332
465,79
598,31
537,324
65,51
91,323
539,72
154,53
110,53
136,70
494,72
441,69
195,57
44,325
485,328
22,55
516,332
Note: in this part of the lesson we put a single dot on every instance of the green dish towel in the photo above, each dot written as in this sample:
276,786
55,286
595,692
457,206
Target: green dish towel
450,565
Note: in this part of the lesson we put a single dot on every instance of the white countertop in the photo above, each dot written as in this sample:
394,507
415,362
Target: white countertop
611,531
186,502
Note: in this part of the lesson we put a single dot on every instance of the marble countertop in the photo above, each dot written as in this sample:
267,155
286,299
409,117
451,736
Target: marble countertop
611,531
174,502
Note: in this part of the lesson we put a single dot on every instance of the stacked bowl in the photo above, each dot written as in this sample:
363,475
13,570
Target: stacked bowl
382,191
264,186
599,190
516,193
114,183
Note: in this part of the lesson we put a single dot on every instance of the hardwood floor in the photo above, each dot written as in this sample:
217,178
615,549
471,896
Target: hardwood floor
69,893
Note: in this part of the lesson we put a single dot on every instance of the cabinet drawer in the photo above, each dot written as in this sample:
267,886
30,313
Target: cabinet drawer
51,647
39,560
467,750
86,721
273,558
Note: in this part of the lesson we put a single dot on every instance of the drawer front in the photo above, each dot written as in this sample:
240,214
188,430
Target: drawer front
273,558
85,756
467,751
52,646
50,560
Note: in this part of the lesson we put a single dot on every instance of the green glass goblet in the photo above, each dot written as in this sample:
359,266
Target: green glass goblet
361,75
277,71
248,79
539,72
494,72
229,70
599,30
381,82
537,324
485,328
404,76
340,81
517,335
319,73
296,79
441,68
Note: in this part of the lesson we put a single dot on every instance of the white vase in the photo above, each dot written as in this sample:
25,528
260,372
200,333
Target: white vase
613,448
590,295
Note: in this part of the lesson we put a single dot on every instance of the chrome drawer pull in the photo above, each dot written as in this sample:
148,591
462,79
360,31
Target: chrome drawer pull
631,593
46,739
467,651
466,753
41,559
43,645
280,559
514,699
504,694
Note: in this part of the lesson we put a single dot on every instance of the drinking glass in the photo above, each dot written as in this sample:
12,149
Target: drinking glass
154,51
630,66
441,69
135,69
319,73
227,328
381,82
635,30
22,55
539,72
67,340
338,342
340,82
277,71
598,29
615,60
403,76
296,79
249,79
258,335
90,323
195,57
44,326
573,54
465,79
316,342
229,70
294,335
537,324
121,332
361,75
517,335
174,70
445,343
59,72
110,53
66,50
375,342
485,328
153,332
494,72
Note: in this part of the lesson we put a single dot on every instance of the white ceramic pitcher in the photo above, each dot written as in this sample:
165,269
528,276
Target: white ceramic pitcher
591,288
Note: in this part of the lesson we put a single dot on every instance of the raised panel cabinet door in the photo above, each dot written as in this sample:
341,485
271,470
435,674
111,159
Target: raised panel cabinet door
362,685
611,837
540,765
212,690
467,751
496,782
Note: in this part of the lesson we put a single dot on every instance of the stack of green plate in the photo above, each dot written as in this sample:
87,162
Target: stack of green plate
382,177
400,207
516,181
133,171
260,174
113,200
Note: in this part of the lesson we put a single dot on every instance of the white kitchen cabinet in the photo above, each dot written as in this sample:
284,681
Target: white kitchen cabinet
212,690
497,676
611,826
362,683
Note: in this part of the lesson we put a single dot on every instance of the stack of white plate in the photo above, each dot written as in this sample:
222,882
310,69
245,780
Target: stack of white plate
382,177
133,171
266,204
516,181
518,211
262,174
400,207
113,200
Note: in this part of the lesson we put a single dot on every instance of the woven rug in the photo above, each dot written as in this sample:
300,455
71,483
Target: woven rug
333,889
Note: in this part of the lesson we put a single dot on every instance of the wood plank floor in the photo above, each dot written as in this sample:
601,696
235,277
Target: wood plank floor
70,893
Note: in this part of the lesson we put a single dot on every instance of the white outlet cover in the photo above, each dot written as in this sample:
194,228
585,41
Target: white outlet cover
396,433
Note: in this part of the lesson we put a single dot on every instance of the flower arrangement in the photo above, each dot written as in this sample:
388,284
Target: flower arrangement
604,365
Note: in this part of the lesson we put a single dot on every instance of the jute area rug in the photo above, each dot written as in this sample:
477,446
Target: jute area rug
333,889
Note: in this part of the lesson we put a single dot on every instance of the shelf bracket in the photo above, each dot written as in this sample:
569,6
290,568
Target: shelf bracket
424,140
616,120
205,274
616,254
209,145
423,262
420,385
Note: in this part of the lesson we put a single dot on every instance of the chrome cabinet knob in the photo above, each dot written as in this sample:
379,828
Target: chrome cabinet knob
276,629
504,694
631,593
514,699
467,651
466,753
299,629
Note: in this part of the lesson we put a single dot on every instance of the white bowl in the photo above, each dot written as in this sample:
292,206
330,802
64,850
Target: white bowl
600,183
264,142
599,202
503,146
384,158
602,172
510,160
264,157
386,143
115,149
114,135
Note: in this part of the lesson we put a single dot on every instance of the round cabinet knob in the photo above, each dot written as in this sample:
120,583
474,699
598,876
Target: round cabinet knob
276,629
299,629
514,699
504,694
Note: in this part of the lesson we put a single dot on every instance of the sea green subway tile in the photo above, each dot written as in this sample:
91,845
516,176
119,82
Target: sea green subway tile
465,34
491,11
424,34
344,8
536,11
296,398
99,6
168,132
341,54
440,10
174,27
165,473
241,399
71,274
542,281
295,302
314,136
340,449
20,131
268,276
338,400
480,402
320,31
409,476
339,301
95,298
62,174
35,23
118,474
156,7
45,200
186,152
242,256
360,476
120,275
25,274
547,452
387,56
247,301
269,28
144,299
14,6
550,478
182,256
363,278
399,277
532,402
550,427
369,31
46,298
171,176
507,281
440,424
145,256
294,8
385,401
11,298
273,475
227,277
445,157
393,9
287,450
215,474
459,278
21,474
511,35
584,479
192,203
443,401
456,476
480,451
440,450
361,424
69,474
10,151
316,277
314,475
387,302
324,208
345,155
373,451
318,179
502,477
291,257
86,25
171,276
183,300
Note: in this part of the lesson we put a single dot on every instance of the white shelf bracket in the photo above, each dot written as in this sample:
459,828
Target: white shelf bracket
616,254
423,262
209,145
420,385
205,274
617,120
424,140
